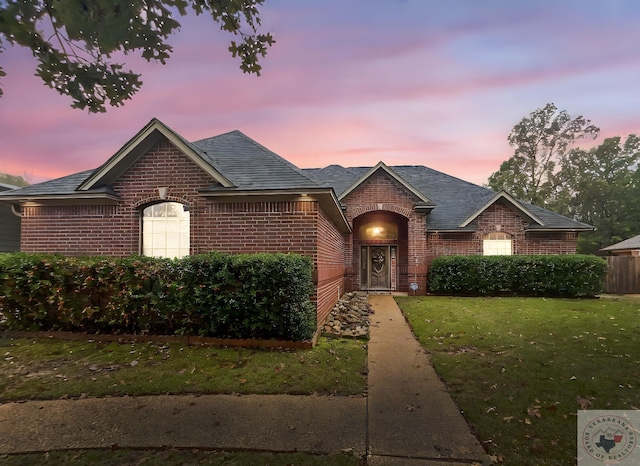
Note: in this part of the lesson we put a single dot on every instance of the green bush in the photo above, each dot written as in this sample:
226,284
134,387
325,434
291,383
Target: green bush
536,275
217,295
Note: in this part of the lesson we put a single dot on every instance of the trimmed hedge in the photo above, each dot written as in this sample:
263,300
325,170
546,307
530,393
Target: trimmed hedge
215,295
536,275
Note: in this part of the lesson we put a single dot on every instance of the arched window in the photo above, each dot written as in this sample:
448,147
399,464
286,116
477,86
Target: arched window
165,230
497,243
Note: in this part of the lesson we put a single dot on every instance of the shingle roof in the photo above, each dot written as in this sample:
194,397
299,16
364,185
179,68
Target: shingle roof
456,200
249,165
244,165
57,187
631,243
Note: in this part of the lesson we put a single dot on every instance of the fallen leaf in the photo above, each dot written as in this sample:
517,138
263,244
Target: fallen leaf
583,402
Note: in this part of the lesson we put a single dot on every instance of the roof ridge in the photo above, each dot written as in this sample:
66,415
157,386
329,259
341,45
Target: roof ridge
280,159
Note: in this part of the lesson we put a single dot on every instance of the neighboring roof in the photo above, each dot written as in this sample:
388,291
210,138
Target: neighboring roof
631,243
5,186
456,200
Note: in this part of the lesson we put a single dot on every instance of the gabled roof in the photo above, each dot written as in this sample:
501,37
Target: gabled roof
239,166
455,200
505,198
631,243
393,174
138,146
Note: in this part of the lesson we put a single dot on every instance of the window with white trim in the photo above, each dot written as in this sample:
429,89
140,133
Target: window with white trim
165,230
497,243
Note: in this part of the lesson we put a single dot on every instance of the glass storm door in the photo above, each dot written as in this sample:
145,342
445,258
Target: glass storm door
377,267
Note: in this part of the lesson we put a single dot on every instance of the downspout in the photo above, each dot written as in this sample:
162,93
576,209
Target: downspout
15,212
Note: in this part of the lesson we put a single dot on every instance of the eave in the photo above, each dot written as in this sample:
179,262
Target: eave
324,196
63,199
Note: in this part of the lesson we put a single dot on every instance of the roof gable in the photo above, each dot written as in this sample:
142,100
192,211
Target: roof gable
511,202
138,146
454,200
394,175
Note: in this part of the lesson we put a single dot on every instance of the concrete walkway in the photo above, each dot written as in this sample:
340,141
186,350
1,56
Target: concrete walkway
410,415
406,419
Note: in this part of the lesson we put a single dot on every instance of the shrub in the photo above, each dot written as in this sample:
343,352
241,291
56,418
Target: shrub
536,275
218,295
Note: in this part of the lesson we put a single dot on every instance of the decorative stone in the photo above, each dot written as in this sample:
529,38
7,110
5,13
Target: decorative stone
350,316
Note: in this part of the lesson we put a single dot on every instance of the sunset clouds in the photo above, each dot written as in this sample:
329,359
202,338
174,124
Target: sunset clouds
354,82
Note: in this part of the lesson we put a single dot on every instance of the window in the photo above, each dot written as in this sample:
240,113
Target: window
497,244
165,230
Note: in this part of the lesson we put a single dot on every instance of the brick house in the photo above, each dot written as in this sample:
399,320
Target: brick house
375,228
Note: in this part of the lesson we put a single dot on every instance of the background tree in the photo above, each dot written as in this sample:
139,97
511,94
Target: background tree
601,187
540,140
13,180
74,40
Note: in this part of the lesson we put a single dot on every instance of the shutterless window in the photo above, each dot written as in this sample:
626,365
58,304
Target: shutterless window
497,244
165,230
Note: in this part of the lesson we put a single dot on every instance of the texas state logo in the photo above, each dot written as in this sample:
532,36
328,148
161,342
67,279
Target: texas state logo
606,437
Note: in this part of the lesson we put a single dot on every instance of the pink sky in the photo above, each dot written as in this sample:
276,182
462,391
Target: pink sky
408,82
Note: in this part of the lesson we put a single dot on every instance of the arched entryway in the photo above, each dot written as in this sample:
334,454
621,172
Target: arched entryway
381,251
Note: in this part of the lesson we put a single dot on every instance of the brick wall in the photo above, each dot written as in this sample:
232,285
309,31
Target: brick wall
233,227
330,266
115,230
500,218
247,227
382,196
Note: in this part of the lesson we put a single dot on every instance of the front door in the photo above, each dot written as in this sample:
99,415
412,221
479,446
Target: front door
378,267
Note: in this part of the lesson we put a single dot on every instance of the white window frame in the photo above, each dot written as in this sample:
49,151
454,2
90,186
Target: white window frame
497,243
166,230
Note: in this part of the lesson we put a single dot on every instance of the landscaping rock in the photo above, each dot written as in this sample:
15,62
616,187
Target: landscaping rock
350,316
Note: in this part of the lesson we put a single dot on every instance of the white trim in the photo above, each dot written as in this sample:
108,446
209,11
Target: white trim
394,175
511,200
154,125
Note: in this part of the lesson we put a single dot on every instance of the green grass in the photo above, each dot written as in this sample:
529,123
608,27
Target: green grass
174,457
52,369
521,368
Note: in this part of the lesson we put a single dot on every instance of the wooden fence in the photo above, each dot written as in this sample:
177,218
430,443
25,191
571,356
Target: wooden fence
623,275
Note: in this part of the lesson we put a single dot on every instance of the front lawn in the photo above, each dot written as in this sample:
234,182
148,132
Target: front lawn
521,368
51,369
175,458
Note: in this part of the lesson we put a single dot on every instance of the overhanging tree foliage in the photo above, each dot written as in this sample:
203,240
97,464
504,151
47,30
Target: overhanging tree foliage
74,40
540,140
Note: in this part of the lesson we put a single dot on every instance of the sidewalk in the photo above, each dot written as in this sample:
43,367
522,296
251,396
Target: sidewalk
407,417
410,415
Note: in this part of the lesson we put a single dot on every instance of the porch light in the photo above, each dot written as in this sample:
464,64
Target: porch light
377,231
